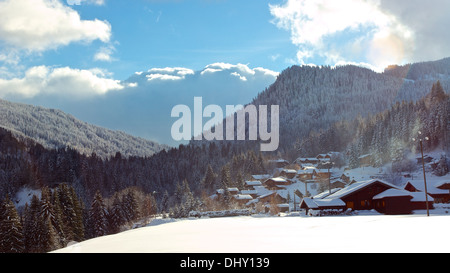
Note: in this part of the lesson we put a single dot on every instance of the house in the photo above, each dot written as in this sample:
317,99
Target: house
321,174
306,160
272,197
359,195
393,201
371,194
276,183
323,156
250,185
338,184
288,173
279,163
242,199
440,193
252,193
399,201
322,204
365,160
345,178
306,174
261,177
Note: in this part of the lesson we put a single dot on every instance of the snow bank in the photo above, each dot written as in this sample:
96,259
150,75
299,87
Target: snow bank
247,234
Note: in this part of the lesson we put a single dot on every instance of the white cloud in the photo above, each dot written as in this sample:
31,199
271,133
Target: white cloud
40,25
63,81
241,70
345,31
168,73
80,2
242,78
104,54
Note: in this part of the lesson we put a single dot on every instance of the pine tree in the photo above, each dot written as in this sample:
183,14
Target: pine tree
33,226
97,216
209,180
225,179
116,215
11,233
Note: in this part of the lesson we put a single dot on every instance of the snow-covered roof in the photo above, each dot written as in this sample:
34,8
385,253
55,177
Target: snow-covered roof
442,183
431,187
253,183
325,193
357,186
306,171
278,179
260,176
313,203
289,171
249,192
420,197
392,193
243,197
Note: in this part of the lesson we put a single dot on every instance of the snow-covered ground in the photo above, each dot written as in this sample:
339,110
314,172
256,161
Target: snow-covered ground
368,232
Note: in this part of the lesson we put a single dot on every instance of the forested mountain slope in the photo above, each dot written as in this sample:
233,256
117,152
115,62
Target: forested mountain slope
313,98
55,129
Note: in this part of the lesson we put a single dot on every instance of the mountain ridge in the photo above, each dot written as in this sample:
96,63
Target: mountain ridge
54,129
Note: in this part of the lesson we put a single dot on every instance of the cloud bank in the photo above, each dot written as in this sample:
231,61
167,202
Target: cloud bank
40,25
372,33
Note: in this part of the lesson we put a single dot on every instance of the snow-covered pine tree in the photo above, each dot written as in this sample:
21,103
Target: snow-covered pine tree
11,233
97,216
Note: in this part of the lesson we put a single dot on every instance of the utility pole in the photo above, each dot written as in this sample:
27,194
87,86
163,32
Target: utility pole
423,168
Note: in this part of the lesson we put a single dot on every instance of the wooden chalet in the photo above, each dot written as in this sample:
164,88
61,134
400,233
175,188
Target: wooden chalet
338,184
272,197
321,174
242,199
276,183
279,163
307,160
366,195
437,190
250,185
323,156
306,174
288,173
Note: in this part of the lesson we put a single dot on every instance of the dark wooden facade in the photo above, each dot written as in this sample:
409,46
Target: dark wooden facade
361,199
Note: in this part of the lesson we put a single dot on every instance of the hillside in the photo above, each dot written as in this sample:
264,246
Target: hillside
314,98
55,129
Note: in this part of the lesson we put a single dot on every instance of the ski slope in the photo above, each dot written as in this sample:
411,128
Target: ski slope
269,234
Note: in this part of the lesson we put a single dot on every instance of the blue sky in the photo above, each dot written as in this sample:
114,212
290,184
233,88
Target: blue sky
125,64
193,34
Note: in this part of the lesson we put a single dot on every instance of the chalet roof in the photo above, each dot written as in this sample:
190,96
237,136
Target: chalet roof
357,186
249,192
420,197
306,171
431,187
243,197
443,184
253,183
392,193
260,176
314,203
325,193
278,179
289,171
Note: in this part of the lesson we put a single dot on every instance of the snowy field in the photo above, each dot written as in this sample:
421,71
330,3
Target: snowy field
289,234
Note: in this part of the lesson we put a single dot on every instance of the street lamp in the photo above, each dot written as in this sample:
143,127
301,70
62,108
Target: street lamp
423,168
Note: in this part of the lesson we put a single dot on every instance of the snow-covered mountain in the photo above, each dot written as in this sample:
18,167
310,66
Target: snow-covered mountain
313,98
54,129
